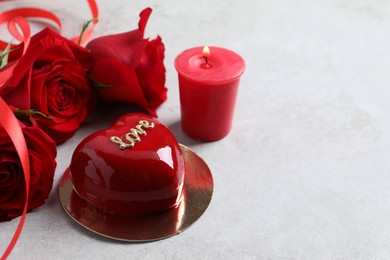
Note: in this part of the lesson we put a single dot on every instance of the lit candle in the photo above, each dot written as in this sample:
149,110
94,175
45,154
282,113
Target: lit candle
208,84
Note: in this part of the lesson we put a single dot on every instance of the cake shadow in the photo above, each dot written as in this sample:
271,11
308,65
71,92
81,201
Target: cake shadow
107,113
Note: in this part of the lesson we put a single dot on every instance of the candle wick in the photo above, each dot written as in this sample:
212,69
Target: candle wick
207,62
205,58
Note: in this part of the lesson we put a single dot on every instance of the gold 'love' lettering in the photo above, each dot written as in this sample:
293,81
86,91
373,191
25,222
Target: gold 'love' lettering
133,136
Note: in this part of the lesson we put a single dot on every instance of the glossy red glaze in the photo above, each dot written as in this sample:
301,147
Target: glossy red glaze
208,91
144,179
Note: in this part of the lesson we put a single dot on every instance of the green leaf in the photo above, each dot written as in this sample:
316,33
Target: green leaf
100,85
85,27
31,114
4,56
96,84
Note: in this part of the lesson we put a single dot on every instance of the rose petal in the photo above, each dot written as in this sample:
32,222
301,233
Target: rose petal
18,97
38,91
144,17
151,73
42,153
121,80
125,47
47,38
10,177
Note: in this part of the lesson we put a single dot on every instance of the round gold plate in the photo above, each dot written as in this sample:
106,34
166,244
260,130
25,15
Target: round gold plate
197,194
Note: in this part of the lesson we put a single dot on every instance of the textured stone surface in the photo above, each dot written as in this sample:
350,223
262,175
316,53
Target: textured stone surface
304,174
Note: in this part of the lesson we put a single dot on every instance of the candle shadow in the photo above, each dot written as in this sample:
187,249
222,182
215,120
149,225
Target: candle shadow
181,136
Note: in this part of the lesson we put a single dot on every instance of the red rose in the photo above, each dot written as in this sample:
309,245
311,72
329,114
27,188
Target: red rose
42,152
129,68
51,78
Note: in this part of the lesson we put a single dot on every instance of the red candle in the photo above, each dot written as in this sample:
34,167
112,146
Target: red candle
208,84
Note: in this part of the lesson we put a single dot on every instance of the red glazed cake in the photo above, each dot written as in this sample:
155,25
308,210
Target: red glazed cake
135,167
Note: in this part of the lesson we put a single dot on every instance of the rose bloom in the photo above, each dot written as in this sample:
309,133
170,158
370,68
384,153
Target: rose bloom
42,152
129,68
51,78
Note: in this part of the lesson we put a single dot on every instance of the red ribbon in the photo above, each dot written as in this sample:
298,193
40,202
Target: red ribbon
10,15
6,73
12,127
7,16
17,18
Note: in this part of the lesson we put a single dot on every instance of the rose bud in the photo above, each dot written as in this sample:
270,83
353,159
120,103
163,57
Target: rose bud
129,68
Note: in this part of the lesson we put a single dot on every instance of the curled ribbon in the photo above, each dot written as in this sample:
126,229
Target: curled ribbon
7,16
17,18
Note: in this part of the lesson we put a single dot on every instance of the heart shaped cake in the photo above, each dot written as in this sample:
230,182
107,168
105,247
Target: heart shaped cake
135,167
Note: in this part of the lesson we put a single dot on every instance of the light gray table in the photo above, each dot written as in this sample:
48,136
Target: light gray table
304,174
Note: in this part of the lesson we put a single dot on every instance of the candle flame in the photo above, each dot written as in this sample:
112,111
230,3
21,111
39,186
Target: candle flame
206,51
